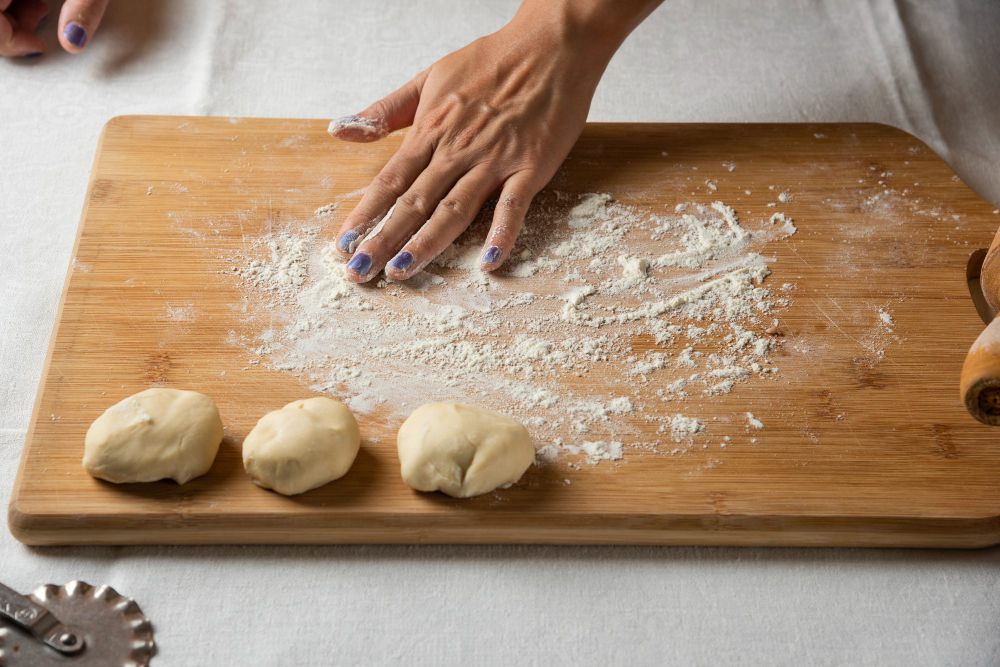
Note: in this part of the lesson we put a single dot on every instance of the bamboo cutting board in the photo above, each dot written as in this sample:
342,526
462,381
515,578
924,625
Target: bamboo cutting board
866,443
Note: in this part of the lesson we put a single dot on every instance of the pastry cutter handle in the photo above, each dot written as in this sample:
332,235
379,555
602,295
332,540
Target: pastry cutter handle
36,619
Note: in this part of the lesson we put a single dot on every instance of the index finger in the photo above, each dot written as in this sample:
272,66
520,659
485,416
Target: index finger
395,178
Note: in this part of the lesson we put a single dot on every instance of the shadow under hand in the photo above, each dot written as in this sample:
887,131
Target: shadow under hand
133,30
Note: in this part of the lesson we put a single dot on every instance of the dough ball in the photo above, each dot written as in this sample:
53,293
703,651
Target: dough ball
155,434
303,445
462,450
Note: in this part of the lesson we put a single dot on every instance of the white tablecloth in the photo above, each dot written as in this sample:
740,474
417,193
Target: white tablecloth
928,67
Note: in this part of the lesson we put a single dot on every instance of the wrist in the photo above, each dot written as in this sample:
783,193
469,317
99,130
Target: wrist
594,27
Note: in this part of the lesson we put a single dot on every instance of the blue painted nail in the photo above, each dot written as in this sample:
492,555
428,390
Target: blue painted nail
491,255
36,54
75,34
346,239
401,261
360,263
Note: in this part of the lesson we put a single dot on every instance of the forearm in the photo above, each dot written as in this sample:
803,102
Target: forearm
596,26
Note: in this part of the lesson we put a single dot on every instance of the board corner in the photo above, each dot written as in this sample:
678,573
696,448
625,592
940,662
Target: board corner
25,525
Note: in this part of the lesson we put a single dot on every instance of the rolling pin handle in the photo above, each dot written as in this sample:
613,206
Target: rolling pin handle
980,381
989,401
979,385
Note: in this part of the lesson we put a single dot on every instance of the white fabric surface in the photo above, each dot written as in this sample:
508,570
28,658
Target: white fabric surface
927,67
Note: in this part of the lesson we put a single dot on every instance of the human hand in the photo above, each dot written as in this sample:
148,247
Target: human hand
19,19
498,115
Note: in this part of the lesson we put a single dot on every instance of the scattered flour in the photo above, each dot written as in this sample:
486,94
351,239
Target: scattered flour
684,428
597,451
183,313
886,319
635,270
326,209
691,283
878,338
787,225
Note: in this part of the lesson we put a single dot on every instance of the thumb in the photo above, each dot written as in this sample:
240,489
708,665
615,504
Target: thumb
78,21
393,112
17,28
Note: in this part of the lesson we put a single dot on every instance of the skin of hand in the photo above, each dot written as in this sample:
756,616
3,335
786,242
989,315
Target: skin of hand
496,117
19,19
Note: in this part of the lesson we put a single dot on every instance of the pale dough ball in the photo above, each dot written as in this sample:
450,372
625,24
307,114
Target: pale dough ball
303,445
462,450
156,434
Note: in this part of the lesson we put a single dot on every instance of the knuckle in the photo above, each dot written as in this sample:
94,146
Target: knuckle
390,181
454,207
487,109
453,101
514,203
414,202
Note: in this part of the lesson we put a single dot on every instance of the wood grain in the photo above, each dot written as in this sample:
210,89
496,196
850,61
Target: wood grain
858,449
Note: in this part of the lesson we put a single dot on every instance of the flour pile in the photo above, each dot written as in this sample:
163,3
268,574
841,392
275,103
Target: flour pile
607,320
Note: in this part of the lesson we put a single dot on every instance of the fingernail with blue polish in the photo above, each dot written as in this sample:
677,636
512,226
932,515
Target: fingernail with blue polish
401,261
360,263
346,239
75,34
491,255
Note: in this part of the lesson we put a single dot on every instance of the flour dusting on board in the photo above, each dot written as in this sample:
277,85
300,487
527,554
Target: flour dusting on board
587,336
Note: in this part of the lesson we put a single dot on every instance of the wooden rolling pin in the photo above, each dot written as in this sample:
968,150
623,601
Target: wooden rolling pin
980,381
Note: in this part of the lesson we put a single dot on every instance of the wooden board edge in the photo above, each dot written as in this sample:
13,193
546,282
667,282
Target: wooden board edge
40,529
15,497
